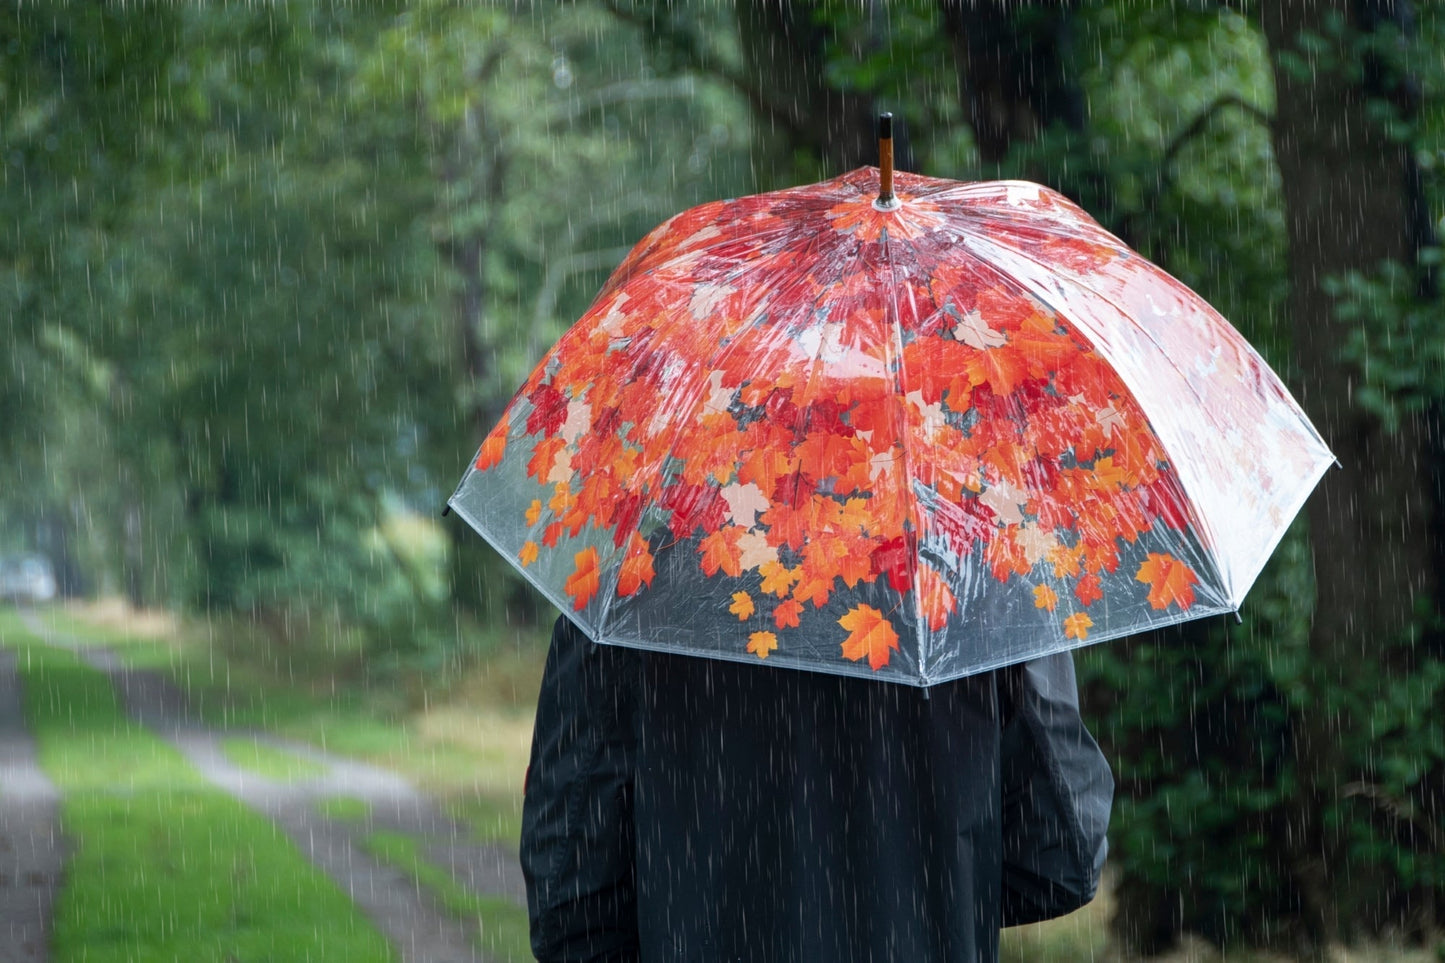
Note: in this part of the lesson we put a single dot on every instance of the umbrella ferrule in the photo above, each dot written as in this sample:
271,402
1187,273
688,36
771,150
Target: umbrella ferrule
887,200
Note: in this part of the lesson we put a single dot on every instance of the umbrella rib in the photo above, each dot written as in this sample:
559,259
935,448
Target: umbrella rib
923,630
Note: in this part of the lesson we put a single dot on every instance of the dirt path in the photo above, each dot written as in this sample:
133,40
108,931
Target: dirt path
31,848
421,930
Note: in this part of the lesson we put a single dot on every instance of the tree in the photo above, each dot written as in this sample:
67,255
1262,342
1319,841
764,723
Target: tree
1351,192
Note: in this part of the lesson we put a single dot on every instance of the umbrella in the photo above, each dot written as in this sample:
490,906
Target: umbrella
892,426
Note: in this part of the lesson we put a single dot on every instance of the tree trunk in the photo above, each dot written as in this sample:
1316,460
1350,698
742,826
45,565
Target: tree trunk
786,48
1013,78
1347,193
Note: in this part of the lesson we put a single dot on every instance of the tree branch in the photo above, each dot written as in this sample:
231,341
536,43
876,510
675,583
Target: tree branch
1196,126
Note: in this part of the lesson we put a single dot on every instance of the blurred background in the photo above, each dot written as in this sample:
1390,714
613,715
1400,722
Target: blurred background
268,274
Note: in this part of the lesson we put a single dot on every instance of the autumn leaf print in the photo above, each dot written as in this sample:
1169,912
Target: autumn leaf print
582,584
870,636
762,644
1169,580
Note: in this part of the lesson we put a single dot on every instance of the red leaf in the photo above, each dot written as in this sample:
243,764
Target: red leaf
693,507
893,558
1087,590
785,616
549,410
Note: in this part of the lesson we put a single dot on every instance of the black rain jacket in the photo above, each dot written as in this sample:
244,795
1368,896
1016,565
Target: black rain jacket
686,809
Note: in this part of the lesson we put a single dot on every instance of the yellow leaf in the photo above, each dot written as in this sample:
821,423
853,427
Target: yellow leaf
1045,598
742,606
528,554
1077,626
778,579
761,644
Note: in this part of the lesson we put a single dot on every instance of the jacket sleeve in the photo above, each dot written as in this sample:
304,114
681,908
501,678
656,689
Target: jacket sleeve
1057,792
577,836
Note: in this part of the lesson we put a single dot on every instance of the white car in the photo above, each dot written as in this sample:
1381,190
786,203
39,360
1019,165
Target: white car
26,578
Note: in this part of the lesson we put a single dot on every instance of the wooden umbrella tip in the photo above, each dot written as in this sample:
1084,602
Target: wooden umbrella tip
886,200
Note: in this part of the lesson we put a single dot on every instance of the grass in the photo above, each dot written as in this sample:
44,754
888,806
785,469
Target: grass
1080,936
495,819
501,925
268,761
162,867
344,809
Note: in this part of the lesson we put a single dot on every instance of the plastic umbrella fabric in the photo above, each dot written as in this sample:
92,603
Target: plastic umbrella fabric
909,439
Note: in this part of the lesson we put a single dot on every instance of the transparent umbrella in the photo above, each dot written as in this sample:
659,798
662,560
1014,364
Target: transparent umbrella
892,426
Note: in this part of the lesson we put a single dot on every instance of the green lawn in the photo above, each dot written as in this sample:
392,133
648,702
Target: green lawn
269,762
162,867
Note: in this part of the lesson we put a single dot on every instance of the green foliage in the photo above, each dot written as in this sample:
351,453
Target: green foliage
1198,723
1397,338
272,274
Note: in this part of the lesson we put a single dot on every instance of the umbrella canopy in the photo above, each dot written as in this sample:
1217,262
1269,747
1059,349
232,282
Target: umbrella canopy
910,438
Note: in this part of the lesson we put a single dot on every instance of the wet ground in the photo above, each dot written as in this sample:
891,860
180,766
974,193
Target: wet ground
32,848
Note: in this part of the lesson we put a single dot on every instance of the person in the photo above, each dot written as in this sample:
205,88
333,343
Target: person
688,809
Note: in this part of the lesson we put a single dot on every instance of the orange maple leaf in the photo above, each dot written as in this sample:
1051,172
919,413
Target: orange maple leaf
1000,368
562,499
761,644
1169,580
534,512
1077,626
1065,560
493,448
528,553
582,584
636,568
1109,477
720,551
785,616
544,453
1044,351
778,578
742,606
814,586
869,634
1045,598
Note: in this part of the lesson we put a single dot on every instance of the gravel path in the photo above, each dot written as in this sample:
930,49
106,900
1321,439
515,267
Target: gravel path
420,929
31,848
